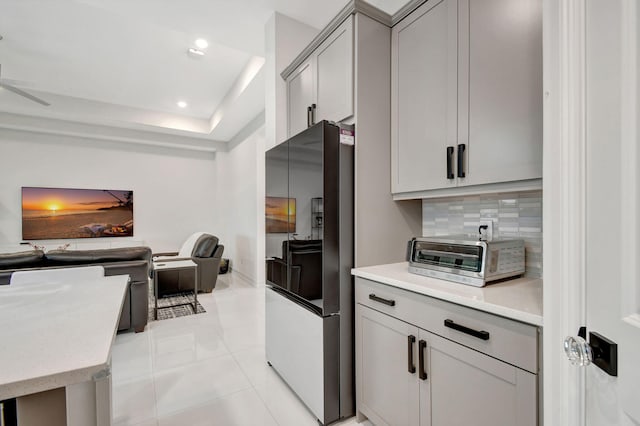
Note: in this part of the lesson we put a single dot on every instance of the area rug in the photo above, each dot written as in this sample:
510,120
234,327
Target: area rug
173,311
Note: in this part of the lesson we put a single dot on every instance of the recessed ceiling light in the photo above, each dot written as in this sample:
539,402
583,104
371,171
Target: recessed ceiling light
195,52
182,104
202,43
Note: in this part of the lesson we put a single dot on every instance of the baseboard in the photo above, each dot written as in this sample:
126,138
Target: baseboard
243,276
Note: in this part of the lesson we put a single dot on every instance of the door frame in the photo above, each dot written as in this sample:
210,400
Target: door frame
564,194
630,133
564,213
630,186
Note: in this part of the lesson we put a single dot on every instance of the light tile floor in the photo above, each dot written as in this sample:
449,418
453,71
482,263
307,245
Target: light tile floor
205,369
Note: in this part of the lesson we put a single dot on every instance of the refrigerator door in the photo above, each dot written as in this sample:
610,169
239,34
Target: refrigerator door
302,217
304,349
309,248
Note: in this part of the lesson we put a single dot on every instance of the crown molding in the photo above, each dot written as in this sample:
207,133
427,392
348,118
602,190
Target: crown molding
405,11
353,7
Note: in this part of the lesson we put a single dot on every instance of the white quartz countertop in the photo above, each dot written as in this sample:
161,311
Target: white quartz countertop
519,299
56,334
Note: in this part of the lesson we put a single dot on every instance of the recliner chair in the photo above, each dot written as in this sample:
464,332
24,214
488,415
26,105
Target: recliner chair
201,248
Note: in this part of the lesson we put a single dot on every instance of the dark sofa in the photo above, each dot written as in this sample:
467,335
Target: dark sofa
132,261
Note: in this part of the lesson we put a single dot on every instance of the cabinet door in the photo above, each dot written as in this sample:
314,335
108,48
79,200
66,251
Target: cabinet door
470,388
500,83
300,96
334,82
387,392
424,91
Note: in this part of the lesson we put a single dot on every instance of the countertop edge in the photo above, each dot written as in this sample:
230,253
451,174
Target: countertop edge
514,314
69,377
47,383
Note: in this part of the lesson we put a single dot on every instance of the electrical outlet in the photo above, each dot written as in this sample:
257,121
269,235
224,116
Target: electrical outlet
489,232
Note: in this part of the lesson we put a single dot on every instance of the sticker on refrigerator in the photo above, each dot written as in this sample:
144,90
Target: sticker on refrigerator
347,136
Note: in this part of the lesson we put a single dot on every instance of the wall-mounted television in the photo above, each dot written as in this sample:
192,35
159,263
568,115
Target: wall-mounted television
63,213
280,215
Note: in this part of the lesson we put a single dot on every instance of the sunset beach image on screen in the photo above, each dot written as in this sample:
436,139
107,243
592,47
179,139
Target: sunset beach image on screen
280,215
62,213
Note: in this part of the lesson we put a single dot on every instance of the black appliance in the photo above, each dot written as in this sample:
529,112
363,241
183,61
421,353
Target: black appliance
309,299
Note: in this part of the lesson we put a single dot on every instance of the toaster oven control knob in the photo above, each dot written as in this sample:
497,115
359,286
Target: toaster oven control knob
578,351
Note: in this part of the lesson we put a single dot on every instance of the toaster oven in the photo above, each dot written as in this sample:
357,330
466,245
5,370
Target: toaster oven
466,260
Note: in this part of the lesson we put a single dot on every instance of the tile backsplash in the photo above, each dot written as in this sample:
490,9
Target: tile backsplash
516,214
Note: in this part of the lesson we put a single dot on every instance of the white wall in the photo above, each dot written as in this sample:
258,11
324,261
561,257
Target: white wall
382,226
240,183
285,38
174,190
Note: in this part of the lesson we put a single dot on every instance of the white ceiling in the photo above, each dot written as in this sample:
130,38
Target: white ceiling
124,63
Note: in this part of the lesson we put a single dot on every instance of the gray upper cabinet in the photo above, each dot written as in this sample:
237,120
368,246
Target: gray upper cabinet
300,96
424,87
323,83
334,82
467,96
503,68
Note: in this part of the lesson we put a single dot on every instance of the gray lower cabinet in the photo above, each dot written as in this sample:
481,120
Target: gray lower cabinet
408,375
470,388
387,393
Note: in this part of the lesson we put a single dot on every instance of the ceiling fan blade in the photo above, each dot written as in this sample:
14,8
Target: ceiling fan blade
23,93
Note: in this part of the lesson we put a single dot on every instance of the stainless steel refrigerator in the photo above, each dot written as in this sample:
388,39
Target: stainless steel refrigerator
309,247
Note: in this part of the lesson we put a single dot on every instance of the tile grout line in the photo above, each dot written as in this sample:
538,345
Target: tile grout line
229,294
253,387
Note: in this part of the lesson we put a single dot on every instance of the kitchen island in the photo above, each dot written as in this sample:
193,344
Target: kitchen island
56,349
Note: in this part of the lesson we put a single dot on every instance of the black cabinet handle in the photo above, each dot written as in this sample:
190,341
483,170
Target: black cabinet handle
450,174
422,345
309,117
388,302
411,368
484,335
461,148
313,114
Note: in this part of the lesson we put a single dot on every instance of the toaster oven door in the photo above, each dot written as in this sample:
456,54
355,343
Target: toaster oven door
448,256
